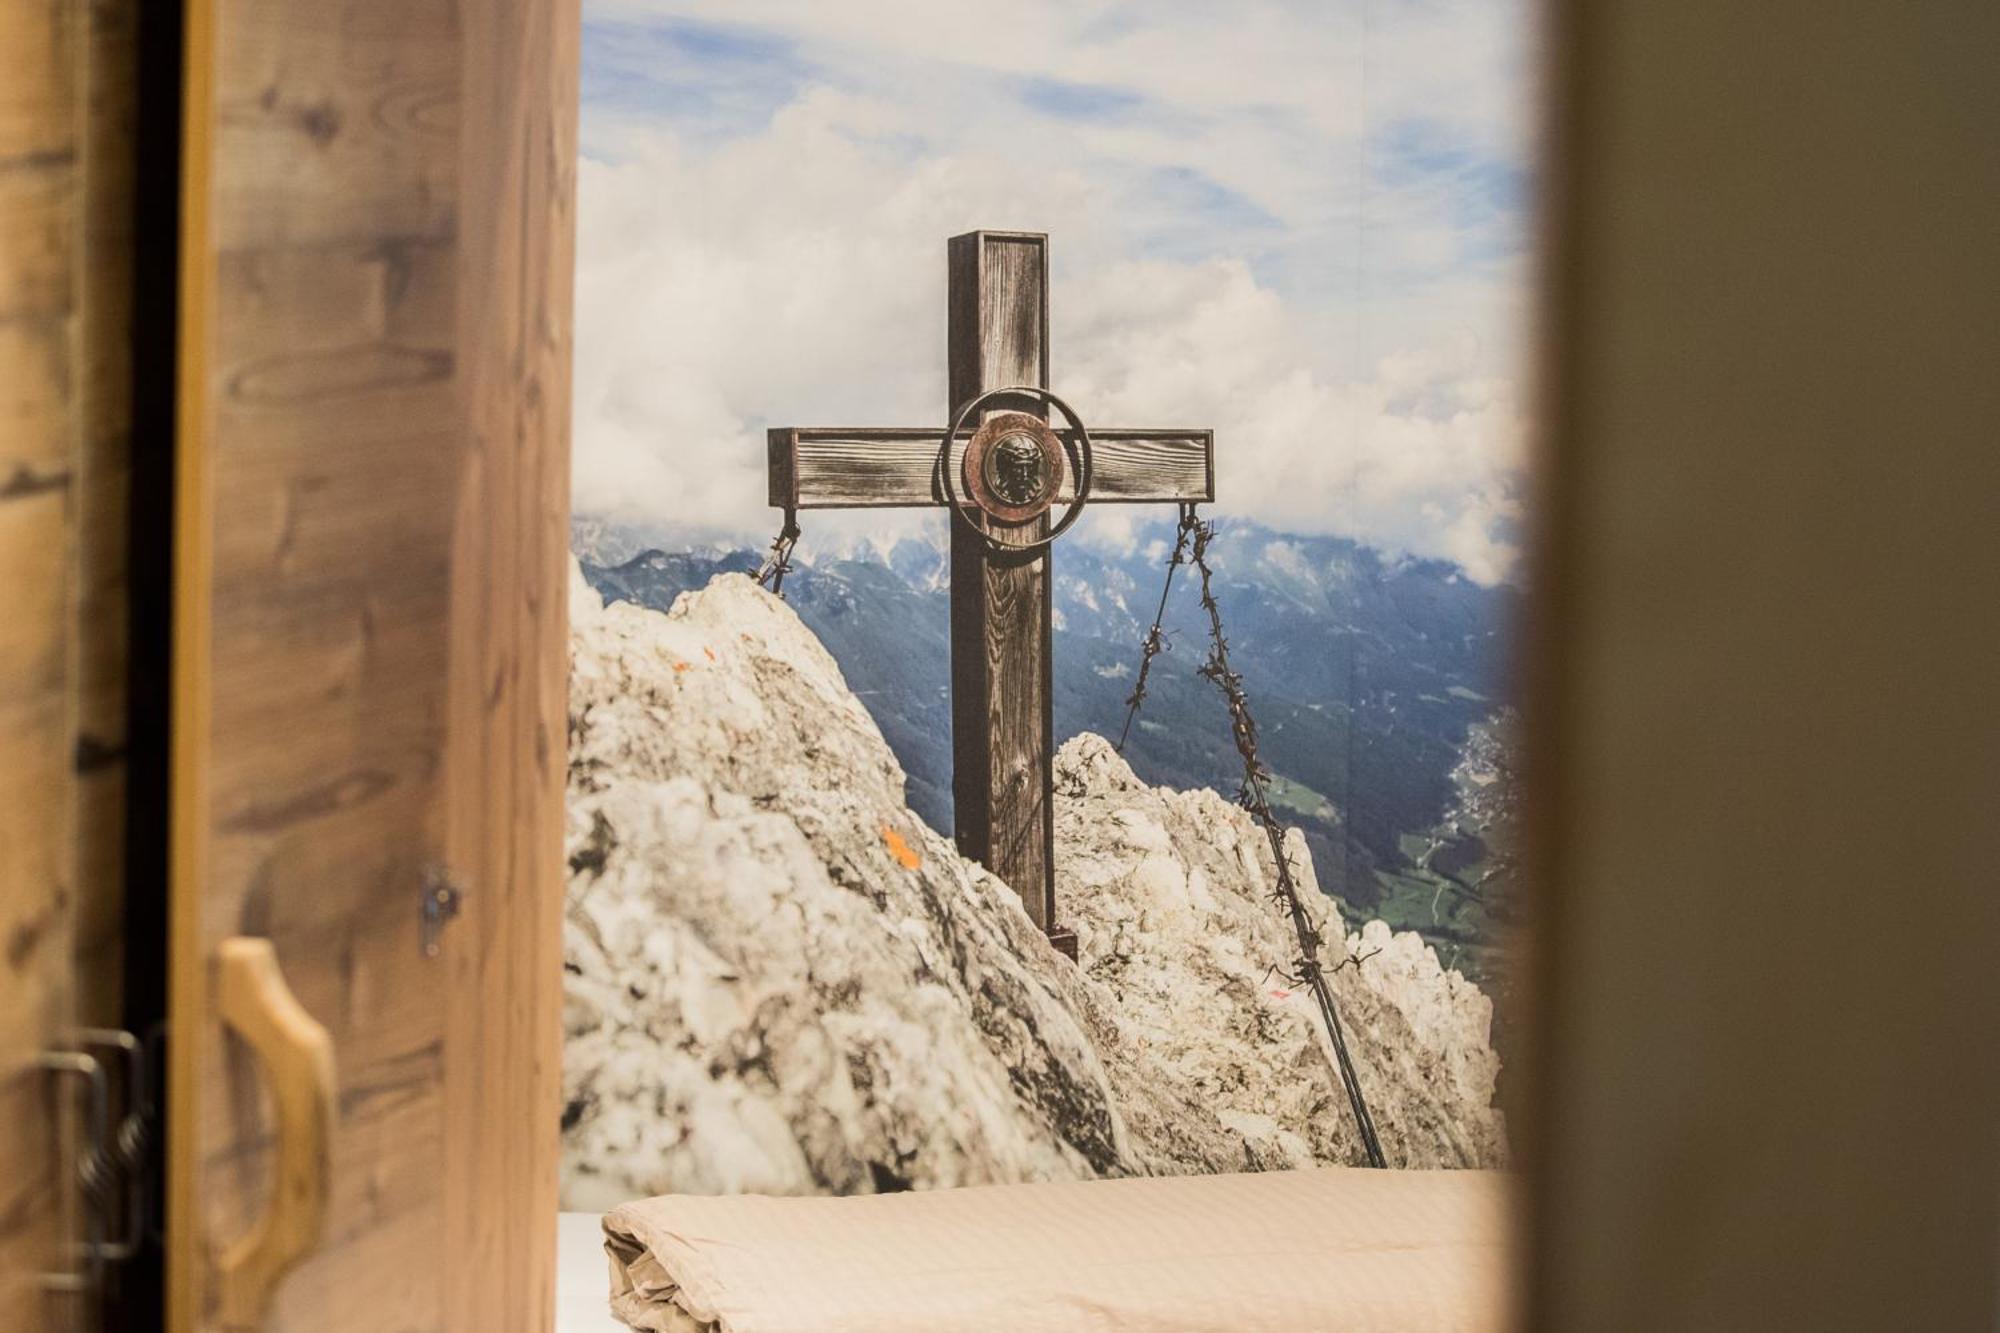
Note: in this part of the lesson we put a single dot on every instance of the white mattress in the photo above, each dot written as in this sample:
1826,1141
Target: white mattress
583,1276
1354,1250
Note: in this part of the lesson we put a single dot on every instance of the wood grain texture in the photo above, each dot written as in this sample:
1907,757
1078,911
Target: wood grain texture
508,719
41,201
817,467
1003,726
370,639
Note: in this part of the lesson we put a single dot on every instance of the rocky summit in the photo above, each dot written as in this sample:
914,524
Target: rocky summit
781,980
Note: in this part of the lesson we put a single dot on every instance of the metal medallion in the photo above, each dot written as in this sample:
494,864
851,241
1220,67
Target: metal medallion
1014,467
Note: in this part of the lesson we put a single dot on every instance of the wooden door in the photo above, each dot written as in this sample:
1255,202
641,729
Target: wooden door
370,664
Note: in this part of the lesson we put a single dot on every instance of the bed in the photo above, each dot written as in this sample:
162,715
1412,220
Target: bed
1293,1250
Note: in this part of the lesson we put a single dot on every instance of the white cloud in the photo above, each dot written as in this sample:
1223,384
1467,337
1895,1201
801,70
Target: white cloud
1357,358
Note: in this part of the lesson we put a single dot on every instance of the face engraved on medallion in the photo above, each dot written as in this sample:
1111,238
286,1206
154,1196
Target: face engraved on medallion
1016,470
1013,467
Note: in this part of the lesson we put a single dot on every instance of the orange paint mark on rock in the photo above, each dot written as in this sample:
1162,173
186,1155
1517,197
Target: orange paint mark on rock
901,850
681,666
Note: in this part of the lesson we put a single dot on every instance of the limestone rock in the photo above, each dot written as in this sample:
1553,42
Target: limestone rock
782,981
1171,896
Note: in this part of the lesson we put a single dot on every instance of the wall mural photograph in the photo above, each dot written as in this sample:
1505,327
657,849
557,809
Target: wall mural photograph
1127,789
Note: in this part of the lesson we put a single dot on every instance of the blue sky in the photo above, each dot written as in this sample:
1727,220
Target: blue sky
1303,224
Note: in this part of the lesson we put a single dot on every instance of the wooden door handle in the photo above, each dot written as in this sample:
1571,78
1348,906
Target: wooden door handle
297,1055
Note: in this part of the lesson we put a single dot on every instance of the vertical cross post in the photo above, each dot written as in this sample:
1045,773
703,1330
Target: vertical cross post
1002,709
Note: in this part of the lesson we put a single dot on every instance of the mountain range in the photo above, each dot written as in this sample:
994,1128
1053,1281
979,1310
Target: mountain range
1380,685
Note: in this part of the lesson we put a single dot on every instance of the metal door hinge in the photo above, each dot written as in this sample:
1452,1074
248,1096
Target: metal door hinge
88,1276
124,1169
117,1169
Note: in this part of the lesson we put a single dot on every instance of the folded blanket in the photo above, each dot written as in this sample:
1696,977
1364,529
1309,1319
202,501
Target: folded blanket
1342,1249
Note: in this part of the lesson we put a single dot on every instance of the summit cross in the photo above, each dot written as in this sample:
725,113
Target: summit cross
1006,469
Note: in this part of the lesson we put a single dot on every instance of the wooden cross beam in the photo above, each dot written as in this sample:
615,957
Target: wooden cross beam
1002,706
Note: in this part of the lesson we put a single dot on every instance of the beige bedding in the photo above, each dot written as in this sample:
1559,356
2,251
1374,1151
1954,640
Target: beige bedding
1296,1251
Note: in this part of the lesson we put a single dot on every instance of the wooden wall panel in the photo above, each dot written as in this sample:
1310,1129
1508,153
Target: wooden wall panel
372,635
40,210
66,158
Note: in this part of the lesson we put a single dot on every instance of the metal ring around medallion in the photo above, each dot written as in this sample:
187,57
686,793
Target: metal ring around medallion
1015,468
